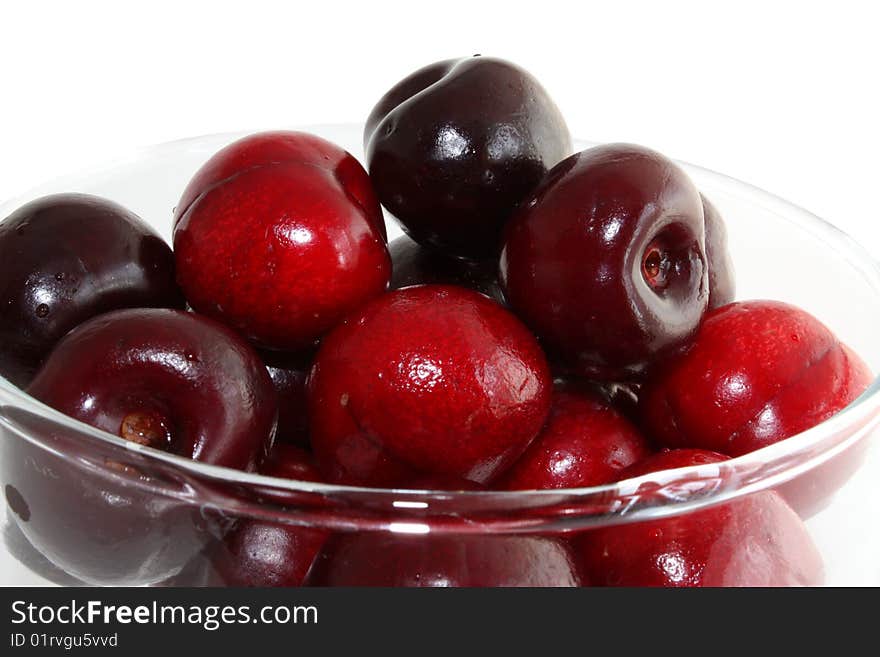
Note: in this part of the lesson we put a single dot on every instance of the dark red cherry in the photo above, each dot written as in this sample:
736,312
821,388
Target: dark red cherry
65,259
756,373
585,442
434,379
380,559
453,148
606,260
722,282
413,264
164,379
281,239
753,541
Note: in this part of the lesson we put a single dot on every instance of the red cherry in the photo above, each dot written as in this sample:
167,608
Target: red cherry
753,541
606,260
756,373
167,379
378,559
171,380
585,442
282,249
434,379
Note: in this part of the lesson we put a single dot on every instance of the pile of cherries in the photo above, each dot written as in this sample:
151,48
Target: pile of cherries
551,320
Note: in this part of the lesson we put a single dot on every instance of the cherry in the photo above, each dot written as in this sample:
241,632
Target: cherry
67,258
279,236
288,372
257,553
413,264
585,442
453,148
606,260
722,283
165,379
753,541
379,559
434,379
756,373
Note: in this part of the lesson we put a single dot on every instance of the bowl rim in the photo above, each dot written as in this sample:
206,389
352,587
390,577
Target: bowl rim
678,490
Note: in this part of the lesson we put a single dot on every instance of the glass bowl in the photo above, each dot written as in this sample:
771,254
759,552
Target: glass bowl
107,511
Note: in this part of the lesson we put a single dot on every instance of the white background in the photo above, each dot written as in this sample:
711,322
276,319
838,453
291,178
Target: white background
782,95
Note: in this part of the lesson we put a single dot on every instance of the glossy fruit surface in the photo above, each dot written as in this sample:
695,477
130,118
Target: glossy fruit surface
756,373
606,260
434,379
69,257
753,541
284,245
453,148
288,372
722,281
585,442
413,264
166,379
374,559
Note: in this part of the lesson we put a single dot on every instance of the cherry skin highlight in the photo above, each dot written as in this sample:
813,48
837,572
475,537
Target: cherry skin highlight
606,261
67,258
585,442
453,148
753,541
284,246
757,372
432,379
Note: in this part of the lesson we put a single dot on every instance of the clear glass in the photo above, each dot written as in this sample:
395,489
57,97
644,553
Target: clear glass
107,511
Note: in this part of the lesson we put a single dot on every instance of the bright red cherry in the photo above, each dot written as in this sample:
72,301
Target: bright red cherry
753,541
757,372
585,442
279,236
606,260
454,147
434,379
